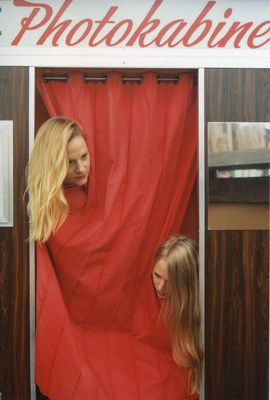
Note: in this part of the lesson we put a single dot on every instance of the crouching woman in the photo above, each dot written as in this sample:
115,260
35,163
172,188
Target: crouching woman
175,279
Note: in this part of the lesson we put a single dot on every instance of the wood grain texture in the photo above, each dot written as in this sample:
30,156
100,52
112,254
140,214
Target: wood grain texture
237,95
14,275
237,262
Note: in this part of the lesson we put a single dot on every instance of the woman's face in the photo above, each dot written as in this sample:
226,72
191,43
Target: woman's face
79,162
160,278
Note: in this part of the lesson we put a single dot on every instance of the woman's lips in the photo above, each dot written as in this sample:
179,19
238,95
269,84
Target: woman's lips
81,177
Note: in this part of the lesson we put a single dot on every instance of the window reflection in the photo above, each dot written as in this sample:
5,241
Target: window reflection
238,175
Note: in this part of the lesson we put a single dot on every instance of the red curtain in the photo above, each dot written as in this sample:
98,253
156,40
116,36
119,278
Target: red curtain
98,332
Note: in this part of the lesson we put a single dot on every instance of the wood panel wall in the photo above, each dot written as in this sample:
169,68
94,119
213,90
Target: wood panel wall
14,277
237,262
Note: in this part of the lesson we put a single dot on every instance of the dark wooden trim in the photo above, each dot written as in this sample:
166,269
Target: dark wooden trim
236,313
14,275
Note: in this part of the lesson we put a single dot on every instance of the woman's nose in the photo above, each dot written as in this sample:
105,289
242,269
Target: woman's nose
79,167
161,285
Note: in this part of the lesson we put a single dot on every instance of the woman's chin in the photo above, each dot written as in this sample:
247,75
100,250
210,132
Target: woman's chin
161,295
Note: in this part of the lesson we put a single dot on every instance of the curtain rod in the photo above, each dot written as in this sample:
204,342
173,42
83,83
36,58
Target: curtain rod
174,80
138,79
124,79
46,79
87,79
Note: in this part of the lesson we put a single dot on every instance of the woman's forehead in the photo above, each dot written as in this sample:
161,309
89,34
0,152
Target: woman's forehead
161,269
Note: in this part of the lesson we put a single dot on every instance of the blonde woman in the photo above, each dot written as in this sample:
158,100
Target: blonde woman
175,279
59,158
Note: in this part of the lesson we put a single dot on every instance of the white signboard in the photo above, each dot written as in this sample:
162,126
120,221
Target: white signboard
206,33
6,173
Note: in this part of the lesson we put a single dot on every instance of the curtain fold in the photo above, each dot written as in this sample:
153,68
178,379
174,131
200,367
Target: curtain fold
95,273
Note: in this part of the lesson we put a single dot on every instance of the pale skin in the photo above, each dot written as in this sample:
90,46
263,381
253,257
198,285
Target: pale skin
79,162
160,278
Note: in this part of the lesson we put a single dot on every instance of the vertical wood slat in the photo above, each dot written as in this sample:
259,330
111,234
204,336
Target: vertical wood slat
14,276
237,262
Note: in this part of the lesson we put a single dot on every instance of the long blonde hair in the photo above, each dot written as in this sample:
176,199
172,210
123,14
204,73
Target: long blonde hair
181,310
45,173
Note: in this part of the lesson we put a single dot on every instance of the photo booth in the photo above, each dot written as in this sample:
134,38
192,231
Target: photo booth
144,81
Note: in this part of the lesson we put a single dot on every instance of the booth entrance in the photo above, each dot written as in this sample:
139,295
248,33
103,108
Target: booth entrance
142,135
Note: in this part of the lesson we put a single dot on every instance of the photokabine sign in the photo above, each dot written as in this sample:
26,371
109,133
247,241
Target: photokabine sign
203,31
